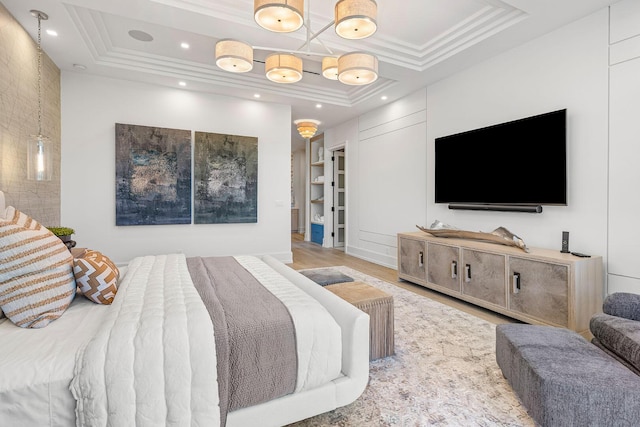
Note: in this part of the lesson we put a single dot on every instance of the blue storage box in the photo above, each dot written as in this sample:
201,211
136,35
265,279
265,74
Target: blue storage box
317,233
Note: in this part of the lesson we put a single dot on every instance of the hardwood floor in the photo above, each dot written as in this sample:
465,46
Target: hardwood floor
311,255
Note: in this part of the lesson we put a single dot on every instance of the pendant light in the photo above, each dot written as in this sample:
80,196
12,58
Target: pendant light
283,68
39,147
280,16
307,127
234,56
357,68
330,67
356,19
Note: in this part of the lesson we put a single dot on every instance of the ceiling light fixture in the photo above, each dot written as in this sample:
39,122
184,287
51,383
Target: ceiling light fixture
354,19
234,56
283,68
307,127
184,45
357,68
39,155
330,67
280,16
52,33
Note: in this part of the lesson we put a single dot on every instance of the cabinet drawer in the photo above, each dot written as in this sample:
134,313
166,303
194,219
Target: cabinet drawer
443,266
539,289
412,257
483,276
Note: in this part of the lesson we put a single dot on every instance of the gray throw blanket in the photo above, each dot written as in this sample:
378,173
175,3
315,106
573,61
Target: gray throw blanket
254,334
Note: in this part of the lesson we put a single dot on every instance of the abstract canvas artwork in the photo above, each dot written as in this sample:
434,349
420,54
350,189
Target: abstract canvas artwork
226,179
153,175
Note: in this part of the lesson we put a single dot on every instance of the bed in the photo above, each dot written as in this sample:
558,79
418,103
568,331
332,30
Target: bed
156,355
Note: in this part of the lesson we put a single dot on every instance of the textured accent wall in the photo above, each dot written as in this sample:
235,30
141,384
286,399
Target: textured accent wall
19,120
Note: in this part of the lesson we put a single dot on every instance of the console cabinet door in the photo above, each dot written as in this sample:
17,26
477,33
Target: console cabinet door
412,257
443,266
542,291
483,276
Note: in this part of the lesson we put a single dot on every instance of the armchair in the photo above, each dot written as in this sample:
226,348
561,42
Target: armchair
617,329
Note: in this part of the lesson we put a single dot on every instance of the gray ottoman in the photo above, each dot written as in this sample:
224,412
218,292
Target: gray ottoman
563,380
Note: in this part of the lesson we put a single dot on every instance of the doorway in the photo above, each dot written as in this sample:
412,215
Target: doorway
339,207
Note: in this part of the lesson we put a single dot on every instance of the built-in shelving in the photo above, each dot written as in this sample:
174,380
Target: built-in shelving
316,188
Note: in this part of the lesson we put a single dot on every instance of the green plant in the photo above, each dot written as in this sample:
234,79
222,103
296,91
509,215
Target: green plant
61,231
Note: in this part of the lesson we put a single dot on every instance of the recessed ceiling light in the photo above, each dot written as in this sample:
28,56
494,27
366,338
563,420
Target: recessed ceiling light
53,33
318,105
79,67
256,95
184,45
140,35
182,83
384,97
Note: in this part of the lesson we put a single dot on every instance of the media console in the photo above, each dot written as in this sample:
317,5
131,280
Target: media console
542,286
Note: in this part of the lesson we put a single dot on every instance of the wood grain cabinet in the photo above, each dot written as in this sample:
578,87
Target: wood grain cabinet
411,260
443,266
484,276
540,290
542,286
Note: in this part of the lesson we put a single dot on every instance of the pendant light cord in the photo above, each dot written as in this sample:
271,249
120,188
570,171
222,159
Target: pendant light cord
39,77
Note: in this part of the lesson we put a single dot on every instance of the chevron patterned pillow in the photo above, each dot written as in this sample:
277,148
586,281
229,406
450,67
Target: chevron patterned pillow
37,282
96,276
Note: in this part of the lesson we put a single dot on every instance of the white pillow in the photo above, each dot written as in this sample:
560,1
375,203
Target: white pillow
39,268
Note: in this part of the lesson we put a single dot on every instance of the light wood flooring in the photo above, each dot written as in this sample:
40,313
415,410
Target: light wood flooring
311,255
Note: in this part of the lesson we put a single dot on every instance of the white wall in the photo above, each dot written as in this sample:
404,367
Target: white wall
299,186
91,106
563,69
624,150
386,176
390,165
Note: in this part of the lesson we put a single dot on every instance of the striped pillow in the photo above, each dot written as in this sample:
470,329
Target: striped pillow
37,282
96,276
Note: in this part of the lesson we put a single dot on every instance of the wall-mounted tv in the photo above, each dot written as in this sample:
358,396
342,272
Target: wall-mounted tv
518,163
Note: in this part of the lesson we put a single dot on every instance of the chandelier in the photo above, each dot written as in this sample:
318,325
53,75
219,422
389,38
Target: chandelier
307,127
353,19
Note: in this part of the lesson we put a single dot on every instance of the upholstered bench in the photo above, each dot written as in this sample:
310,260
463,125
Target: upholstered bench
379,306
563,380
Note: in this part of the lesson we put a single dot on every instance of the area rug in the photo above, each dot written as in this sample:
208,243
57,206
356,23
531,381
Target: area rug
326,276
444,372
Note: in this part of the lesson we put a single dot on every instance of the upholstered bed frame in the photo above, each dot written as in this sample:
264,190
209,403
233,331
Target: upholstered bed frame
339,392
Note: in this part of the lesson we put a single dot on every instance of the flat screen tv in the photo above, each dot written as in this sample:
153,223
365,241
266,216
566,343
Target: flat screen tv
518,163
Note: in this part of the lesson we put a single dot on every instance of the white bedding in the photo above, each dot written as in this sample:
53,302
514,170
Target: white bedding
153,360
38,365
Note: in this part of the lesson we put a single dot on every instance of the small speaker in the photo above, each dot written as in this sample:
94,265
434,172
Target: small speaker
565,242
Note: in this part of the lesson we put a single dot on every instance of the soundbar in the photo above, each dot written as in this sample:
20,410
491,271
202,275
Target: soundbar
499,208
